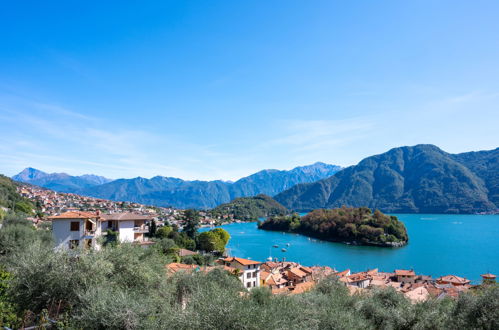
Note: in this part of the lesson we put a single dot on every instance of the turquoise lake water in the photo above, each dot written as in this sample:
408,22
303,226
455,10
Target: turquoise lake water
464,245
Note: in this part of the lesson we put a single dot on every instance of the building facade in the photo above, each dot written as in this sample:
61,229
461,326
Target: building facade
248,270
76,229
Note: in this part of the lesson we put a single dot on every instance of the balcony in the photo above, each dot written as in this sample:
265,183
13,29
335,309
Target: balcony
89,233
141,229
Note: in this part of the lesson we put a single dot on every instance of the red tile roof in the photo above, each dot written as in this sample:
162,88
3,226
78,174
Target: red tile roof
488,276
175,267
306,269
303,287
453,279
297,272
125,216
358,277
244,262
403,272
74,215
343,273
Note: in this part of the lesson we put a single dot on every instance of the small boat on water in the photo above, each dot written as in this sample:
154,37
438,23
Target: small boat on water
287,244
276,246
284,250
269,259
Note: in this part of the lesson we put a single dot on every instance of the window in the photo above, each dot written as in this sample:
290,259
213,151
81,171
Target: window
248,275
248,285
75,226
254,274
73,244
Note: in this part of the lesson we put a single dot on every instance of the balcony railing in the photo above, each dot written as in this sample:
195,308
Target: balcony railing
89,232
141,229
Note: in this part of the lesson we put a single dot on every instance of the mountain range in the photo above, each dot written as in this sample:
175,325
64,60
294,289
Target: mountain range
418,179
167,191
61,182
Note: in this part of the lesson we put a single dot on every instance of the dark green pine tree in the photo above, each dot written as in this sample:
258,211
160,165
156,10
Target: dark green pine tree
153,228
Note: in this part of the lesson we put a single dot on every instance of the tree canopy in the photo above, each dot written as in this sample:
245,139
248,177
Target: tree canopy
249,208
214,240
357,225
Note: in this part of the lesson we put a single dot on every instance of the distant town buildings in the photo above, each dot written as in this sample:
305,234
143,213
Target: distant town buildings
53,203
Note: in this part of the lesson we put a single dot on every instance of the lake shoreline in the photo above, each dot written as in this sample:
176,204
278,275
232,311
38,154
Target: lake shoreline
346,242
464,245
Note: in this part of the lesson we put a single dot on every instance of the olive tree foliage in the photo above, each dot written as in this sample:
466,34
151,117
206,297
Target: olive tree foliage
17,233
127,287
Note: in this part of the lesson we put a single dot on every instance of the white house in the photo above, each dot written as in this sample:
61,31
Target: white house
77,229
249,270
130,226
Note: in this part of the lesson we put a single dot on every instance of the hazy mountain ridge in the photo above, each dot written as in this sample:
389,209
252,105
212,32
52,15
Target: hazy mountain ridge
167,191
59,181
419,179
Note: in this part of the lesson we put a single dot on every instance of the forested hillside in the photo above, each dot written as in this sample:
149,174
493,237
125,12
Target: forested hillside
249,208
10,198
419,179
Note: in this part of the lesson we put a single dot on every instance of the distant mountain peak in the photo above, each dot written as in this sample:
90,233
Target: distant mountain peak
29,173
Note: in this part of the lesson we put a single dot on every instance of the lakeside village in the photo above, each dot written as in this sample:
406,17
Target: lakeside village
73,228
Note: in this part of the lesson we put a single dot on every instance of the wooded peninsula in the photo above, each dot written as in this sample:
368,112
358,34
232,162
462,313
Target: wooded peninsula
359,226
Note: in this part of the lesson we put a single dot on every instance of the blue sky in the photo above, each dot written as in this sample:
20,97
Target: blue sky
222,89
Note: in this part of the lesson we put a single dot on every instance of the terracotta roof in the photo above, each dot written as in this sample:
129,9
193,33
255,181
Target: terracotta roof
303,287
125,216
357,277
403,272
74,215
453,279
244,262
343,273
264,275
275,279
488,276
272,264
175,267
297,272
306,269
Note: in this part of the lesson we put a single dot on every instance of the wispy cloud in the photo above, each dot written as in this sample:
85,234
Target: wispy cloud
310,135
